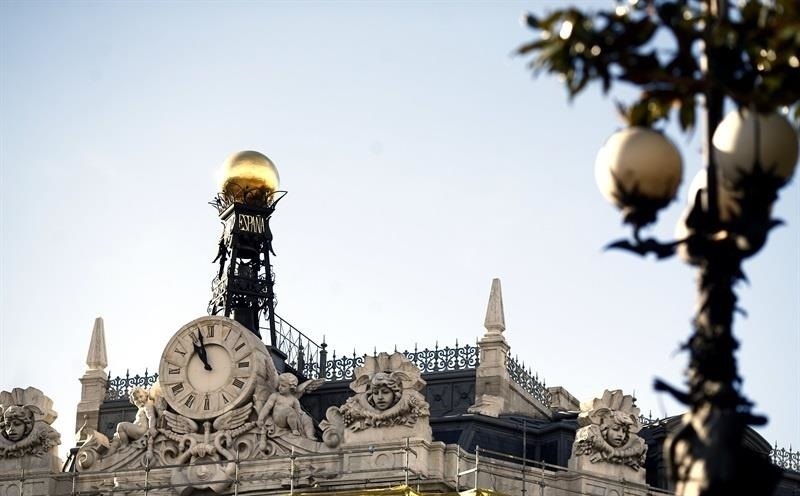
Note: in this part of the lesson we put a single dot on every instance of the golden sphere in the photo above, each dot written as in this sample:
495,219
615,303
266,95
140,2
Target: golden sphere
248,171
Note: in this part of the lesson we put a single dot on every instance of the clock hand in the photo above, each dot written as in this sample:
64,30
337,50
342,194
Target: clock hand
201,350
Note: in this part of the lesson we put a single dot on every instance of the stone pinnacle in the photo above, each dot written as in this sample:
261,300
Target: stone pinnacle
495,322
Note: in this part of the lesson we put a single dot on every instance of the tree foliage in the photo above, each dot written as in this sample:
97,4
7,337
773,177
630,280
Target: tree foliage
753,53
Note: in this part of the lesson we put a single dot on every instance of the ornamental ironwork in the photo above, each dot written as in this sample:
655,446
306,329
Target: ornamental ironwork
119,388
651,421
459,357
527,380
302,354
785,459
444,359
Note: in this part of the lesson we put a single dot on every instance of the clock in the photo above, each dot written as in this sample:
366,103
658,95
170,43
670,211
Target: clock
211,366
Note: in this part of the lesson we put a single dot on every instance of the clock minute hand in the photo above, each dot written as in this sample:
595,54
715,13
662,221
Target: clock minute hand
201,350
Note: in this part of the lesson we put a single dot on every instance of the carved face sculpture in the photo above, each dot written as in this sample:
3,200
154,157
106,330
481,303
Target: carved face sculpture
616,428
287,383
616,434
17,423
384,391
139,396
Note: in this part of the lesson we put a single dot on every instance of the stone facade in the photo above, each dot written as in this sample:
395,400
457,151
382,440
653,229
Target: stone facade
390,428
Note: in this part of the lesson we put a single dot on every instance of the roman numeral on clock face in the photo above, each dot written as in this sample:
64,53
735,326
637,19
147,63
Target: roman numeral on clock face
177,388
209,331
239,347
244,365
189,401
238,383
174,371
206,403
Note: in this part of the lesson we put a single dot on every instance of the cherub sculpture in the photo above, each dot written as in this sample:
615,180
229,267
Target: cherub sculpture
21,433
282,411
608,432
143,424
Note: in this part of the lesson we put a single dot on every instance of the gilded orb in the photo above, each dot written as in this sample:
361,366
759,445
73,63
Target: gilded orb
247,172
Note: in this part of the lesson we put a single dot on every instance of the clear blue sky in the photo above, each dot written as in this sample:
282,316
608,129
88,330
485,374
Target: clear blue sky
421,160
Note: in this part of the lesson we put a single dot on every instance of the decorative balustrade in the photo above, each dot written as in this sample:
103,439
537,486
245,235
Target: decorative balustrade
459,357
119,388
528,381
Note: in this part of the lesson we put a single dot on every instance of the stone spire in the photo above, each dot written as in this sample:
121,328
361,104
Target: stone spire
96,358
495,322
94,380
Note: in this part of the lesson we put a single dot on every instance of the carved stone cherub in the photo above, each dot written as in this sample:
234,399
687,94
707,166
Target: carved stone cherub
282,411
143,424
21,433
608,432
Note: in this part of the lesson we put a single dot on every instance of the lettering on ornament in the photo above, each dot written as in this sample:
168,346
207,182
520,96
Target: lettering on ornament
250,223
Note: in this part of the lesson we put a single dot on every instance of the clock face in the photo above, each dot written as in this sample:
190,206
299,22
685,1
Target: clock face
204,389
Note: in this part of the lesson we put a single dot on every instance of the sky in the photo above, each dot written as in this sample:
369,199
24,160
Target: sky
421,160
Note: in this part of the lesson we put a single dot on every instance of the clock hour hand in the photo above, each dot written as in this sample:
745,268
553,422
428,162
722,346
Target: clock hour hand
200,349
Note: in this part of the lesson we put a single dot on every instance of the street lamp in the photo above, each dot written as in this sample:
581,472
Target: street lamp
748,56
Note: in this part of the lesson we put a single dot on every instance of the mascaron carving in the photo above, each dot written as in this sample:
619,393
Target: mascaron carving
608,431
387,404
25,418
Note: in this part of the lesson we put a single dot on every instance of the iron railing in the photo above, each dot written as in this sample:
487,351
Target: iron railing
651,421
785,459
459,357
302,354
528,381
119,388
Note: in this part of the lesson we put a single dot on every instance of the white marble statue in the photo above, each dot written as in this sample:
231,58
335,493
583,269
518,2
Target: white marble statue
282,411
143,425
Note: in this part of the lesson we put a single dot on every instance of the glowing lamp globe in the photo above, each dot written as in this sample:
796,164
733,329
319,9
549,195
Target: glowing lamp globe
248,172
638,170
743,138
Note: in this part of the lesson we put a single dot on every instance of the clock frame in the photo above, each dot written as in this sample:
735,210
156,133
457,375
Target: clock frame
236,357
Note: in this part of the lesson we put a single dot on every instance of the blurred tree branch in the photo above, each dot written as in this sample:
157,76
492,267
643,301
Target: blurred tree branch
754,52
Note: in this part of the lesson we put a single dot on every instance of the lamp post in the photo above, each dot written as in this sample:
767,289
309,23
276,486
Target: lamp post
748,56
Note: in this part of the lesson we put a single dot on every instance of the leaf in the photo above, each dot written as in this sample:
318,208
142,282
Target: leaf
532,21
